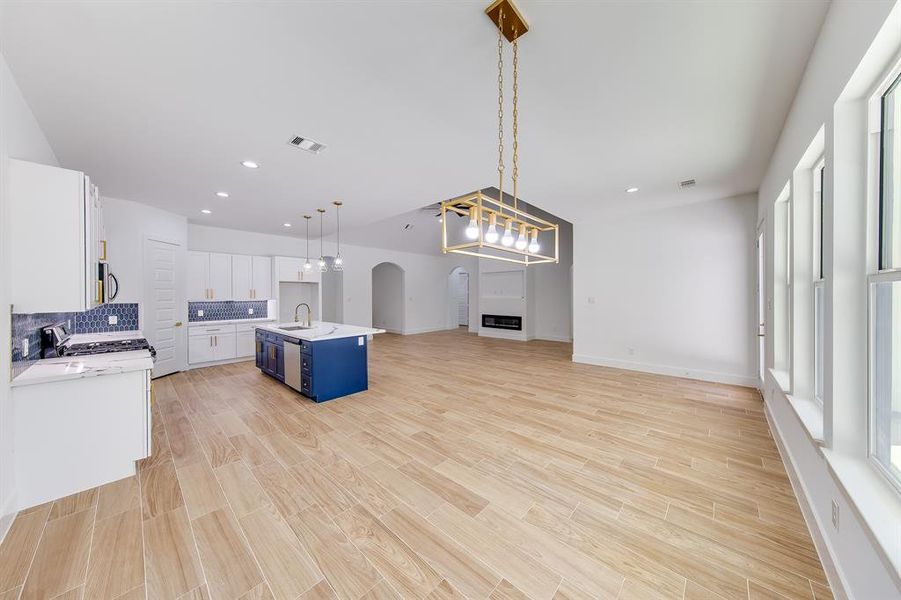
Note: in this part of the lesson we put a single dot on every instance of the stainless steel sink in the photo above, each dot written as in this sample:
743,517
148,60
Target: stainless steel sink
296,327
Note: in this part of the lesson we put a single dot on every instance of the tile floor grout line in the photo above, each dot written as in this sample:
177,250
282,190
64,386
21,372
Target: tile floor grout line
185,507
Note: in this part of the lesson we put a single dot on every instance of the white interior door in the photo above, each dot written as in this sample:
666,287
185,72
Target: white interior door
463,299
162,307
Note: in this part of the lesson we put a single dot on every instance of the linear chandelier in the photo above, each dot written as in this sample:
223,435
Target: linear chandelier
481,207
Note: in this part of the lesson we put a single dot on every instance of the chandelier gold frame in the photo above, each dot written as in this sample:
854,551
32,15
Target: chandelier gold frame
481,207
485,206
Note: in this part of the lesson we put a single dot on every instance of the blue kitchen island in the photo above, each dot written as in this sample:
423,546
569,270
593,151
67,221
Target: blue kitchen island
322,361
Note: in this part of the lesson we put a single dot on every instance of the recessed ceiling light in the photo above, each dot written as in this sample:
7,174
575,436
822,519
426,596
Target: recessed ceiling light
631,190
287,224
250,164
222,194
206,211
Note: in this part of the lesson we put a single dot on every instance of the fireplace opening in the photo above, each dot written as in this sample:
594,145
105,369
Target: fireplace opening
508,322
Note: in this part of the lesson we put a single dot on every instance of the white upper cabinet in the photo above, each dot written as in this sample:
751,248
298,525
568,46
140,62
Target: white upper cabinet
220,276
55,244
198,275
262,277
289,268
215,276
242,277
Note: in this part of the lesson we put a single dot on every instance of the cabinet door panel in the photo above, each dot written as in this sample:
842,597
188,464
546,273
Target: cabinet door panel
200,349
245,344
198,276
221,276
242,278
289,269
224,346
260,348
262,278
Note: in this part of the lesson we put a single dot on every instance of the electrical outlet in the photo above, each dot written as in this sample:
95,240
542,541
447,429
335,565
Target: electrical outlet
113,320
590,299
249,311
25,347
835,514
200,313
631,351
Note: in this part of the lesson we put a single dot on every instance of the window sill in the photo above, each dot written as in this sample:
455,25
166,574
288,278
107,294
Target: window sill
782,380
810,413
874,500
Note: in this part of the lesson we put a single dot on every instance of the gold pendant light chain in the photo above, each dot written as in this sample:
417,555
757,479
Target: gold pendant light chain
500,105
515,119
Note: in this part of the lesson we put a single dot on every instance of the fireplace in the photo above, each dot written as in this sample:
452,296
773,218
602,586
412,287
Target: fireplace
509,322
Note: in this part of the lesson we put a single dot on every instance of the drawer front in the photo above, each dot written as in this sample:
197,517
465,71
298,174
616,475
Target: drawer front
211,330
306,385
306,364
306,347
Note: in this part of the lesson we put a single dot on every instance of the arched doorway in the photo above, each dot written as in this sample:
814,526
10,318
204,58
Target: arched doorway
388,297
458,298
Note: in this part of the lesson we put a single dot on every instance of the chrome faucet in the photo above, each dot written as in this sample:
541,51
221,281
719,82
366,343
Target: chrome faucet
309,314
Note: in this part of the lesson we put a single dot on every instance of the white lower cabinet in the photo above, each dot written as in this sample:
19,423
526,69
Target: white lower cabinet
211,343
224,345
245,342
76,434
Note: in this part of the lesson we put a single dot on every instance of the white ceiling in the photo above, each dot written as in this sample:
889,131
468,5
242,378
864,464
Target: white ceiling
160,101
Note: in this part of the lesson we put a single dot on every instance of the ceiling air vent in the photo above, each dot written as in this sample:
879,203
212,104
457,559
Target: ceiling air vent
687,184
306,144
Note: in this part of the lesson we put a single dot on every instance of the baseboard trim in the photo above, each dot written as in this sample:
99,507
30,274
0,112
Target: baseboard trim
712,376
8,516
554,338
820,541
424,330
213,363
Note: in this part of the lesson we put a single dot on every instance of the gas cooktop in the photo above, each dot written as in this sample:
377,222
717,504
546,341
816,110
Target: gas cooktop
105,346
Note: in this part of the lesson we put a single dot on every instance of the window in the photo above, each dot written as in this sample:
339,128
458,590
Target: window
885,296
819,319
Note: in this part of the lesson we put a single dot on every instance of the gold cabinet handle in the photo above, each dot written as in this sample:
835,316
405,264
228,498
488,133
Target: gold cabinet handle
103,245
178,323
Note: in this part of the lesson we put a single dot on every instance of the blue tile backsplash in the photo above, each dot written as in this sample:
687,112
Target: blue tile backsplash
226,310
96,320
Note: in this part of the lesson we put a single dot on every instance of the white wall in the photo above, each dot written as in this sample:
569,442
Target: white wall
668,290
839,471
552,303
388,297
127,225
20,137
426,296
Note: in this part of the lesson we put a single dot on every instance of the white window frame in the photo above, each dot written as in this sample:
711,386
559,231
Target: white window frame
876,275
818,273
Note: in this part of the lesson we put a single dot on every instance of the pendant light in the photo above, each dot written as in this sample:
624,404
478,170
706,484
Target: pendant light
338,263
307,266
323,267
520,246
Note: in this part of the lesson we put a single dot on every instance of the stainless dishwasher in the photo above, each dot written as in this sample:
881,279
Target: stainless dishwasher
292,363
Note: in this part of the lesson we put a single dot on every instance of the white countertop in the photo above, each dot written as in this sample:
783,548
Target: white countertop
229,322
321,330
49,370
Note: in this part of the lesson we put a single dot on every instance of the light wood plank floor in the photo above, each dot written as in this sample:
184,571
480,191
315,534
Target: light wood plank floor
571,482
